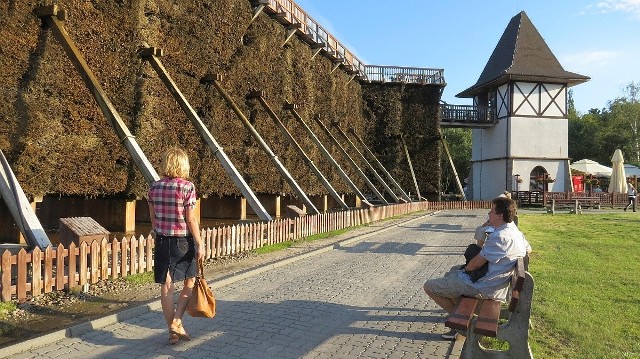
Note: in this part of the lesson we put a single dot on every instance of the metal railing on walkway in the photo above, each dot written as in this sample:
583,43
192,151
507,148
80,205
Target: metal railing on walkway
467,116
294,18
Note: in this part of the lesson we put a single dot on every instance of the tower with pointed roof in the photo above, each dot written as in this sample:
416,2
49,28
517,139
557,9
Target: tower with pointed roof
526,87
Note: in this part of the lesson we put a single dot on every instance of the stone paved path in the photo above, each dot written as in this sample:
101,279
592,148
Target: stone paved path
362,298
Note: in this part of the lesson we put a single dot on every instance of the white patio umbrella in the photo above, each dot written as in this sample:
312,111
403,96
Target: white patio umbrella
618,182
591,167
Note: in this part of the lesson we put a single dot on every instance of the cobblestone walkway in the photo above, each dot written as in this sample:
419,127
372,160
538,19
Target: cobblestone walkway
362,298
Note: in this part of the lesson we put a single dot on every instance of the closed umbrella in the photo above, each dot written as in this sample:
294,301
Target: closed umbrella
618,183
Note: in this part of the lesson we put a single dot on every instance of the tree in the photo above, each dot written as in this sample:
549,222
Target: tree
459,142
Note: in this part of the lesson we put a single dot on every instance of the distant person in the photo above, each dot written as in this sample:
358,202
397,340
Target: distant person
597,189
631,195
501,251
172,203
506,194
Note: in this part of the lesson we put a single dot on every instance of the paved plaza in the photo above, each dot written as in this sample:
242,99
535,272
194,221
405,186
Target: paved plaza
357,295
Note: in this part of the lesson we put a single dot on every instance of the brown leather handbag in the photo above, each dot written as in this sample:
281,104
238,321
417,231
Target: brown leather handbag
202,302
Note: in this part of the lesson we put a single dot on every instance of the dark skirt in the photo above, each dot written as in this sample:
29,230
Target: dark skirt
175,256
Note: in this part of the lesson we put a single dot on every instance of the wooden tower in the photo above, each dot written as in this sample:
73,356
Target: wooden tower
526,88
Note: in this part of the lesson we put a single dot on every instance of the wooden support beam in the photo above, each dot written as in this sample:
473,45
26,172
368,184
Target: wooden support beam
21,210
265,147
336,125
256,11
292,108
350,160
50,15
366,149
316,52
335,67
453,167
291,30
413,174
206,136
305,158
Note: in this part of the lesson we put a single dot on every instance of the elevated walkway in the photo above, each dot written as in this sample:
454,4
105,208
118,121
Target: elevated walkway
464,116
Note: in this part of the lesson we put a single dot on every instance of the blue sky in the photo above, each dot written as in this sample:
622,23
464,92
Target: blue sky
599,39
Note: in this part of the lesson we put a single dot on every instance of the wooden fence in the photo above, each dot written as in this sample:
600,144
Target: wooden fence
26,274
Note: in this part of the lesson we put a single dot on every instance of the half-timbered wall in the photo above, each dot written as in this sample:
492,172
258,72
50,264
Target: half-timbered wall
532,131
539,99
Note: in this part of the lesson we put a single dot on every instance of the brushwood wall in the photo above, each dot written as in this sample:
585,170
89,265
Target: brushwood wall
58,141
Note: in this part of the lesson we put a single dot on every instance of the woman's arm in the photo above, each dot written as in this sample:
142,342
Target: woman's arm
152,215
194,228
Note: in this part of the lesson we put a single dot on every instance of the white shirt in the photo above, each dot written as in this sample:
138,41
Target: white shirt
631,192
502,249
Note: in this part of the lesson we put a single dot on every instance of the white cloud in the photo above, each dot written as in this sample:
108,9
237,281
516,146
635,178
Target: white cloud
627,6
589,61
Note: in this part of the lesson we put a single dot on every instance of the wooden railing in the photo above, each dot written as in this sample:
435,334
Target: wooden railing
467,116
527,198
26,274
376,73
288,13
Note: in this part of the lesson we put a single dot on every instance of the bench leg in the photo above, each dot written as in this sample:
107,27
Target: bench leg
515,332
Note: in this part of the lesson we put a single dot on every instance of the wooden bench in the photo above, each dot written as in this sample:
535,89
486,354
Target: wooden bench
479,318
575,205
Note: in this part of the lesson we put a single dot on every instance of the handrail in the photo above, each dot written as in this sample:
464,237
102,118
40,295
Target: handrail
468,114
289,13
418,75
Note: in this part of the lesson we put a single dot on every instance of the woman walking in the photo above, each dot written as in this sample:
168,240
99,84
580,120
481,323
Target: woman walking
178,246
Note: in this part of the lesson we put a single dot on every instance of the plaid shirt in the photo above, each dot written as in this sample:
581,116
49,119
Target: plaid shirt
171,199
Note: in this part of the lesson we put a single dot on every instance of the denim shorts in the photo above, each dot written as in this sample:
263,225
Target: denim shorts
175,256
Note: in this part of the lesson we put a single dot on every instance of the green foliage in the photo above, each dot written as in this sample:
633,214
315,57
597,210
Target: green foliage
597,134
140,278
459,142
586,301
6,308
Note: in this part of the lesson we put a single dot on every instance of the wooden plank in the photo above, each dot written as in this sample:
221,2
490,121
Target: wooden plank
36,272
48,269
21,283
519,275
6,276
94,262
71,273
83,264
104,259
149,261
60,255
123,257
487,321
114,258
133,253
461,317
513,303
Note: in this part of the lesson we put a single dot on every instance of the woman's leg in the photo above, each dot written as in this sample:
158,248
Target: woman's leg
166,299
183,300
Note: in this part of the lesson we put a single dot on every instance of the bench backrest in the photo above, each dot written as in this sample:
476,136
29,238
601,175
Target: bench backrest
517,282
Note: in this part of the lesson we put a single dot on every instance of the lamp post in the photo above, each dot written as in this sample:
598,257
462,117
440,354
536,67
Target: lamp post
517,183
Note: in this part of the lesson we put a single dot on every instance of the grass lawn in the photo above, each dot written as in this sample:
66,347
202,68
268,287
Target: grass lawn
586,269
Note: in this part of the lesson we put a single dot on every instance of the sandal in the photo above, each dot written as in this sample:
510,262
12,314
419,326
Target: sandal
173,338
178,329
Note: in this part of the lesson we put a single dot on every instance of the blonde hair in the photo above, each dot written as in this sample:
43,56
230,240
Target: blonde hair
175,163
